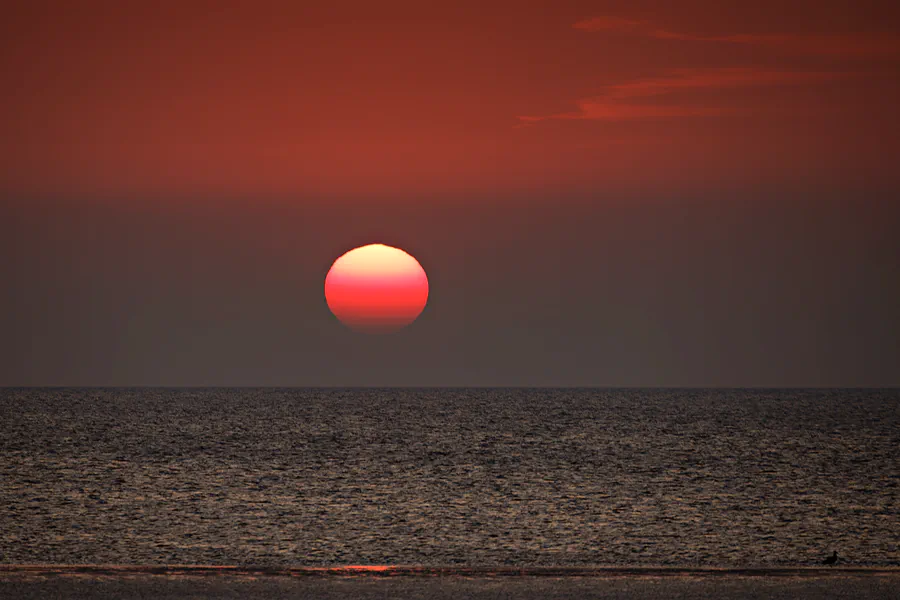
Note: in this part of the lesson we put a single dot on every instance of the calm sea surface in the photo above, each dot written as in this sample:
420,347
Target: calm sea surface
449,476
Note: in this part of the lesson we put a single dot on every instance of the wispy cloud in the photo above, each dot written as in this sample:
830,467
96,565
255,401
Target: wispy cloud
631,100
837,45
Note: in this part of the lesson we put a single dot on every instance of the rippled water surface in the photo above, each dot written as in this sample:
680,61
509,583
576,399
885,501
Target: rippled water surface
480,476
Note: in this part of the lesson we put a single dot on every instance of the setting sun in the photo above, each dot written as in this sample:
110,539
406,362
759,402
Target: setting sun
376,289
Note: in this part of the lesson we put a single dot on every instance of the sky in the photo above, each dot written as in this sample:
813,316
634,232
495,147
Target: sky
641,193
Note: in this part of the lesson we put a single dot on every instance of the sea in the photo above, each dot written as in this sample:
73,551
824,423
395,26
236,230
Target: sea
517,477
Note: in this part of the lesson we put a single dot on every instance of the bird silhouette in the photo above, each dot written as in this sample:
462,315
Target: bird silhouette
831,559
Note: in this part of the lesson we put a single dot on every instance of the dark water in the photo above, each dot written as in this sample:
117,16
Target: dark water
448,477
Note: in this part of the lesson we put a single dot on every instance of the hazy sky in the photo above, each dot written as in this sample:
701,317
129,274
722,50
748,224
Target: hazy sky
602,193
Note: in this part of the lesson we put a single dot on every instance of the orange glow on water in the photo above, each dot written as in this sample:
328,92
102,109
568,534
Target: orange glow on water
376,289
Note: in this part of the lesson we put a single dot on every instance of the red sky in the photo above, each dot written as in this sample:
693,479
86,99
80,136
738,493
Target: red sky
388,99
642,192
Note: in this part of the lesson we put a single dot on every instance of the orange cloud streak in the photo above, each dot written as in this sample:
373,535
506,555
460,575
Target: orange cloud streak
618,101
837,45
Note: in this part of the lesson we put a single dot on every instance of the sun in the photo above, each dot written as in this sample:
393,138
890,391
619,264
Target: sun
376,289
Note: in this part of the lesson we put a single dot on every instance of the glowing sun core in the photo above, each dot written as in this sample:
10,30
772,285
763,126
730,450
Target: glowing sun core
376,289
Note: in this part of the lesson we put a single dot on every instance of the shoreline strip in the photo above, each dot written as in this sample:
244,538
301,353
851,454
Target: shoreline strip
435,571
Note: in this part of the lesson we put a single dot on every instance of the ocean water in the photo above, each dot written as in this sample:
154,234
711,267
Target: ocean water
449,476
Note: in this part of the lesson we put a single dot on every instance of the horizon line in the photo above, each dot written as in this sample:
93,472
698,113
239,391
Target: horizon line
450,387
